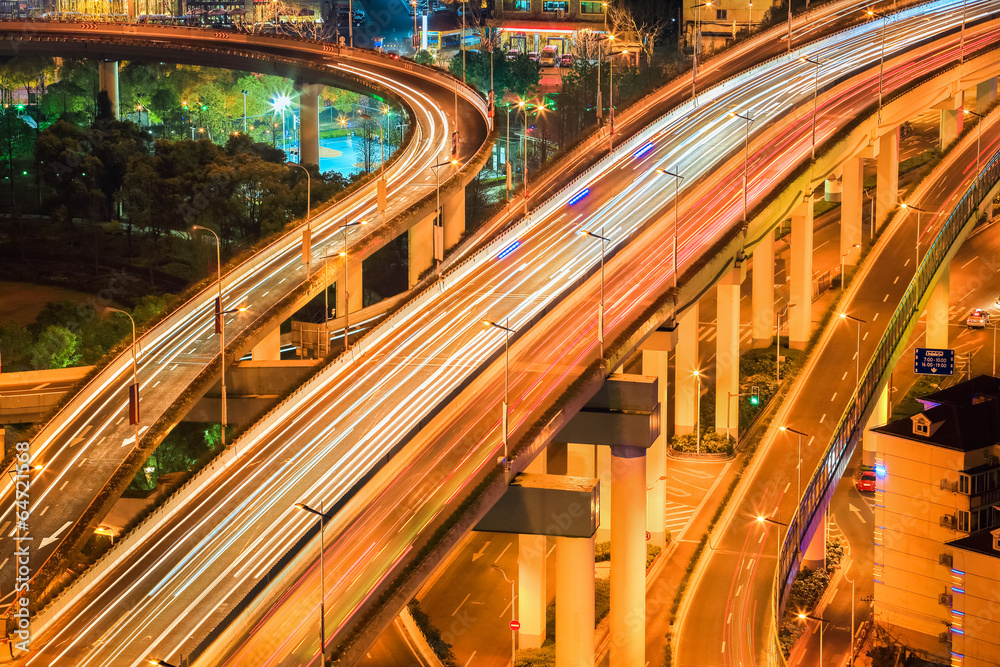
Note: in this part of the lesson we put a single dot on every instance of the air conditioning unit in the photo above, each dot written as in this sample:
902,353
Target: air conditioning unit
945,599
945,559
948,521
944,637
948,486
560,13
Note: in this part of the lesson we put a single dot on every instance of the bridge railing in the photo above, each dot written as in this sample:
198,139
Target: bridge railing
828,474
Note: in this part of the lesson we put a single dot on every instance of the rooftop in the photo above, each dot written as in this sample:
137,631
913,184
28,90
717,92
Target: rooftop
981,542
964,417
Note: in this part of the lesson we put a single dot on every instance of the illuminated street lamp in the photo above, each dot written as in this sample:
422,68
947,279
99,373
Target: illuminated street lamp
438,221
907,207
843,259
347,293
600,309
803,617
220,323
881,58
697,49
611,97
307,232
322,577
857,359
160,663
133,391
506,380
798,461
979,136
513,633
245,93
766,519
697,416
280,103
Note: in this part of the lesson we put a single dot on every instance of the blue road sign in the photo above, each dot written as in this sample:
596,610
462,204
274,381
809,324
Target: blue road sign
929,361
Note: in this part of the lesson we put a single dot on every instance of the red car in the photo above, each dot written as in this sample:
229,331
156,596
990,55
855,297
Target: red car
866,481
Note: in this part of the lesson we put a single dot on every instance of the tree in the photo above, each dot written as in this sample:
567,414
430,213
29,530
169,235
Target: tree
518,76
15,144
638,29
366,143
56,347
424,57
15,346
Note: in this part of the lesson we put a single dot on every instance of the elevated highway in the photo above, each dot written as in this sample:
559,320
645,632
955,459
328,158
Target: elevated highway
411,420
89,442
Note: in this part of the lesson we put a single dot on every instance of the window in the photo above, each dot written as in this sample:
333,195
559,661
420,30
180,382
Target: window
591,7
720,14
975,522
517,5
921,428
963,483
555,6
963,521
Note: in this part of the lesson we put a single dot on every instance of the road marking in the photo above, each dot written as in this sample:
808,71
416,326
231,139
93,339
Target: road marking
4,526
968,293
906,263
4,563
896,280
467,596
786,487
61,487
479,554
46,541
758,542
822,418
834,397
82,461
969,262
885,298
845,376
470,659
856,511
157,384
120,420
739,590
44,510
502,553
865,337
729,619
750,563
723,647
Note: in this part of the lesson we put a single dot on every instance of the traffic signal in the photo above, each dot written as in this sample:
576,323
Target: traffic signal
754,396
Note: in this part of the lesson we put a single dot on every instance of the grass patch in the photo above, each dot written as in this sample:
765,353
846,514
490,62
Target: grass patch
910,406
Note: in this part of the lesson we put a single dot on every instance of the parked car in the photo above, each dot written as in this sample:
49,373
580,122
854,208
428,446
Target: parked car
977,319
566,60
513,54
550,56
533,56
866,480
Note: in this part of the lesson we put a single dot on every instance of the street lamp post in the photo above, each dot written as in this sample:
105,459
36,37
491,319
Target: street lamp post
382,204
506,380
611,97
280,103
350,22
347,293
815,62
857,360
523,106
843,258
439,244
798,461
777,358
322,577
600,309
133,391
766,519
746,159
677,178
821,621
307,232
979,137
697,49
850,657
513,633
870,193
245,93
220,324
507,154
919,211
881,58
697,415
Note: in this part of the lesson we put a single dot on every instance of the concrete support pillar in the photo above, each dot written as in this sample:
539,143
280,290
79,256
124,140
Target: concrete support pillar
727,355
887,173
268,349
308,123
986,94
878,417
531,589
686,392
453,214
655,363
628,558
580,461
353,283
420,244
575,602
800,310
107,72
851,206
762,299
813,555
951,125
937,312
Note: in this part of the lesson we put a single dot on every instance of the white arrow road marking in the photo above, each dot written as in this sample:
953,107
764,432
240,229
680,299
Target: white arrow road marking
857,511
131,440
479,554
46,541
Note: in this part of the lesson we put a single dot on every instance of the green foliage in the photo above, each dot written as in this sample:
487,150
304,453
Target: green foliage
602,552
424,57
518,76
711,443
15,347
910,406
56,347
602,599
181,450
441,648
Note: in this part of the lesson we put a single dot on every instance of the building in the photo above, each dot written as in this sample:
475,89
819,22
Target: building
935,507
720,21
531,25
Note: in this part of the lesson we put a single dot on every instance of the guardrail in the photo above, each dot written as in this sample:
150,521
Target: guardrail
821,486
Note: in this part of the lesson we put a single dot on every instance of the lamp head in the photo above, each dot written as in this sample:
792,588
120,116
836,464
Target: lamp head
842,316
761,519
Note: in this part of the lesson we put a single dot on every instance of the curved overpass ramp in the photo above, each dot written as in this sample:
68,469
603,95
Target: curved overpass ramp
89,444
401,433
